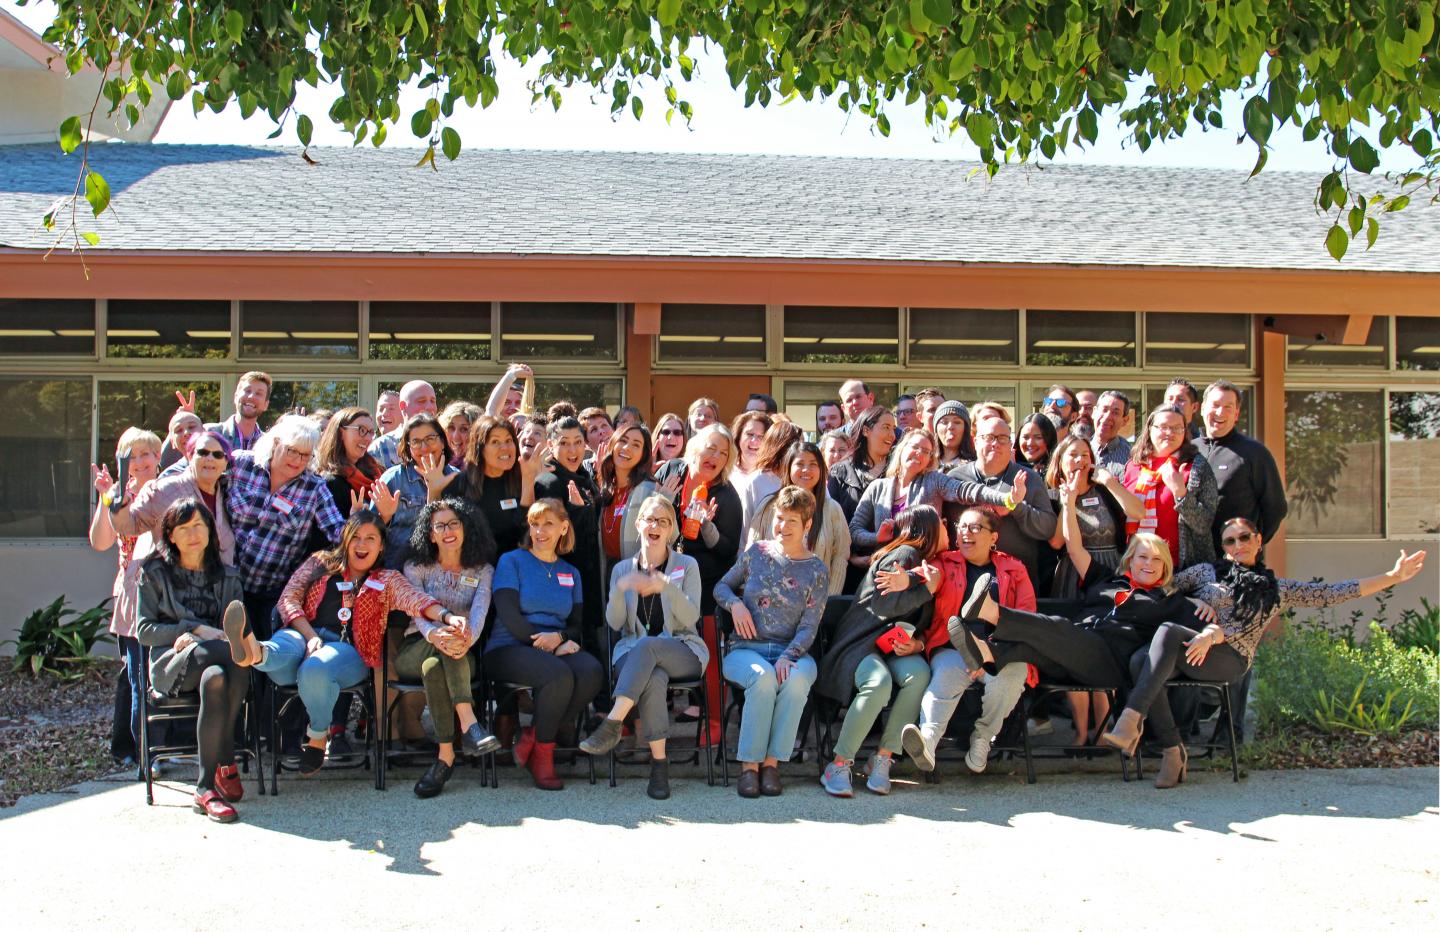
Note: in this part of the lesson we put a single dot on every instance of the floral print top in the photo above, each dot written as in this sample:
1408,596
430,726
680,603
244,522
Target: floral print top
786,597
1201,582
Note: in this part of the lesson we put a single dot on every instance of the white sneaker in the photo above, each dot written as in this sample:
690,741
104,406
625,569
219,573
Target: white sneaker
1040,726
919,744
979,754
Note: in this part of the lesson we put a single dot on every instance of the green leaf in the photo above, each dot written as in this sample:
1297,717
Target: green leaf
1260,163
97,192
305,129
235,26
420,123
176,84
1336,242
450,143
668,12
1399,203
1356,220
1257,120
637,106
1372,231
1363,156
1089,125
1421,141
427,158
70,134
919,21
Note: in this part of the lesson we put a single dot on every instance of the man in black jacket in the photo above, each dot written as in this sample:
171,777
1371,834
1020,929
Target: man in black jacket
1250,483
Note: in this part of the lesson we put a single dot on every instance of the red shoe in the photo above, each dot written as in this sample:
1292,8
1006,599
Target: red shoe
525,745
228,784
542,766
210,804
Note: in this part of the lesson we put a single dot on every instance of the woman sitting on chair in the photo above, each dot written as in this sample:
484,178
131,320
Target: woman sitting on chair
452,560
184,590
655,604
334,610
776,596
1247,597
539,604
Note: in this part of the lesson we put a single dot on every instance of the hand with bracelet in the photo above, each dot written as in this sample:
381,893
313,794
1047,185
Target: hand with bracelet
1198,647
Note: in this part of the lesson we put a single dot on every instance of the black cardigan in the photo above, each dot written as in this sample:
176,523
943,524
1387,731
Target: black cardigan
714,561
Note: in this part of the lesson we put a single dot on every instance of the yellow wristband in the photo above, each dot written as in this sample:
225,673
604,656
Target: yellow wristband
1010,503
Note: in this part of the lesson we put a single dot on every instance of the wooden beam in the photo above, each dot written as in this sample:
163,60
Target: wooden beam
1357,329
638,347
647,318
1270,410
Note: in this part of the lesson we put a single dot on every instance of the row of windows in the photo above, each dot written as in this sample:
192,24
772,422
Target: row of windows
477,331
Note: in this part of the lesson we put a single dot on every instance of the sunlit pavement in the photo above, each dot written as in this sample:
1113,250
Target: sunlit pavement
1318,849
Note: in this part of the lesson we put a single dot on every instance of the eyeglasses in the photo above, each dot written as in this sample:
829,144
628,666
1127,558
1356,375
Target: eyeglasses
671,432
972,528
1167,430
213,454
427,440
658,521
445,527
361,429
1244,537
1058,402
297,454
993,438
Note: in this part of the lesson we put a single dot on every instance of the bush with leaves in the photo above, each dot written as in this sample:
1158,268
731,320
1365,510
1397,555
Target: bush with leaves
1020,78
1419,627
1312,677
52,643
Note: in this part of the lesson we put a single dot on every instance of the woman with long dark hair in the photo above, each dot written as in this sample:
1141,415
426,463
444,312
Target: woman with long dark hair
623,475
952,429
343,457
496,477
872,436
1247,597
184,592
1035,442
804,466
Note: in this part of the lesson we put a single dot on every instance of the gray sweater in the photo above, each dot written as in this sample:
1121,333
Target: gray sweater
679,601
931,487
1023,530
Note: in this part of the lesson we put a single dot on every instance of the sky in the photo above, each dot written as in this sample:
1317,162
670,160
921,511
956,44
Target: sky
722,124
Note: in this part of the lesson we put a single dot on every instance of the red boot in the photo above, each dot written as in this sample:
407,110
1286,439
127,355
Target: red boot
227,783
542,766
525,745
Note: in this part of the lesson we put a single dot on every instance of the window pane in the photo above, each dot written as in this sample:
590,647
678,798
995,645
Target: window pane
476,393
713,332
1079,338
801,398
1370,355
44,457
1414,463
300,328
167,329
430,330
951,335
606,394
1197,339
560,329
972,395
47,327
1333,463
148,405
312,395
842,335
1417,342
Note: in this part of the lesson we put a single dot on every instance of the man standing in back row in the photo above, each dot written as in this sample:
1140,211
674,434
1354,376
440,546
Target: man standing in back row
1249,480
856,398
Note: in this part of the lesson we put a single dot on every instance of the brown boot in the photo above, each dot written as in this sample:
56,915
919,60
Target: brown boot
1172,768
244,649
1125,736
542,766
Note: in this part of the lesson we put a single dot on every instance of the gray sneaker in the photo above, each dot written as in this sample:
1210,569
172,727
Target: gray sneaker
878,779
918,747
837,781
979,754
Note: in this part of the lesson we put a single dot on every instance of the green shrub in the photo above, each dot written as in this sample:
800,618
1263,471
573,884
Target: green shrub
1377,686
1419,628
49,644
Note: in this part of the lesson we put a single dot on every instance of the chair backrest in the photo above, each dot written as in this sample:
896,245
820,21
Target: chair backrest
835,608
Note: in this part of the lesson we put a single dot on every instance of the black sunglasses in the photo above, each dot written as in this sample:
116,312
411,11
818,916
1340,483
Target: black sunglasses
213,454
1244,537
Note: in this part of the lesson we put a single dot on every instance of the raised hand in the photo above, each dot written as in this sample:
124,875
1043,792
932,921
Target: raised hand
386,501
710,508
1071,487
576,498
671,487
888,581
357,500
1408,565
186,404
1017,489
100,476
431,467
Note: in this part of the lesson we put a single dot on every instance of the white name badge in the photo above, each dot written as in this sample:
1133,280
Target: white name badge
282,504
565,579
375,584
1222,465
677,575
1090,502
471,581
619,511
344,586
509,504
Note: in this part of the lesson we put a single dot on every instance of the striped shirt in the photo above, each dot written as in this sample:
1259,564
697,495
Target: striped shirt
272,530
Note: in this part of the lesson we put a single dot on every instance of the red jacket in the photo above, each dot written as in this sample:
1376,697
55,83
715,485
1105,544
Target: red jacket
383,592
1015,592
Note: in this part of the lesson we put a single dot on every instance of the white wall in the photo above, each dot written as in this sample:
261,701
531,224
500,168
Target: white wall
33,574
1335,560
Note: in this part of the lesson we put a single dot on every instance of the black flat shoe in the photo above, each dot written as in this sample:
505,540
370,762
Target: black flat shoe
433,781
971,609
311,760
659,787
770,781
748,786
477,741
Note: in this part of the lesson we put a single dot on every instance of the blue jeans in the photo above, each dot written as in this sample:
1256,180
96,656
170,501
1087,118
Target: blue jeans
126,727
771,715
319,677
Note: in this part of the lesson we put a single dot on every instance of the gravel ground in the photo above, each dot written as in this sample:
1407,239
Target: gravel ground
53,734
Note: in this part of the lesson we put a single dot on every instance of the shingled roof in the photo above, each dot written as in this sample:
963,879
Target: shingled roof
503,202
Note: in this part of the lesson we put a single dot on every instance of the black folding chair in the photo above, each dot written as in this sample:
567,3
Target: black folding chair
400,688
703,747
495,693
283,698
1225,719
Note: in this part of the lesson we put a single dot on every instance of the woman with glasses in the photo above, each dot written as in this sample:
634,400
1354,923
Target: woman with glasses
671,435
655,605
1247,597
1174,483
343,459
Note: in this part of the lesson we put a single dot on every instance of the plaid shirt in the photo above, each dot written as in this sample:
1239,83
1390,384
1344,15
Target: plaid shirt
271,531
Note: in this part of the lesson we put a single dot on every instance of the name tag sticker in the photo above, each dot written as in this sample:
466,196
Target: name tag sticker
565,579
1222,465
677,575
1090,502
469,581
282,504
375,584
344,586
509,504
619,511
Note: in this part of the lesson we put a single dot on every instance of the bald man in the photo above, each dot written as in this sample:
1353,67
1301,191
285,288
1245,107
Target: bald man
416,397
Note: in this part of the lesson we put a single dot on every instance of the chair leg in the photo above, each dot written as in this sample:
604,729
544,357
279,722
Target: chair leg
275,709
1227,710
702,734
1025,708
145,746
252,722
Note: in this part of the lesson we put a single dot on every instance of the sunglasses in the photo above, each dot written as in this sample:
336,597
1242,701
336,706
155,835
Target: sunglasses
213,454
1058,402
672,432
1244,537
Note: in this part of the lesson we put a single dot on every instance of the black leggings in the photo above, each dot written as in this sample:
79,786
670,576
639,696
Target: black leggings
1058,646
561,686
222,685
1154,666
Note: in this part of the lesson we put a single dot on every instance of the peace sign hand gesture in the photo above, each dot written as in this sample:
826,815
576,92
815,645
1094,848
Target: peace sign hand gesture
186,404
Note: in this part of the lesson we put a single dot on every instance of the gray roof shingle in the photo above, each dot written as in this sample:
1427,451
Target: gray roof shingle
240,199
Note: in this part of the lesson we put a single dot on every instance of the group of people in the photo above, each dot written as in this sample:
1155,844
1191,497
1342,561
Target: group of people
592,561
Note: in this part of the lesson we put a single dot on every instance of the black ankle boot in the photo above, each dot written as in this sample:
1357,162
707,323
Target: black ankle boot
659,787
434,779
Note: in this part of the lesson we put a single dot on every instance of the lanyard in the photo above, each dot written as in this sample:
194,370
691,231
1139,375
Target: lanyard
347,603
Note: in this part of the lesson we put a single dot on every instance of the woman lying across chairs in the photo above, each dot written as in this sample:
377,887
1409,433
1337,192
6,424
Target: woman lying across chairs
776,596
334,609
452,558
184,591
1247,597
655,605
